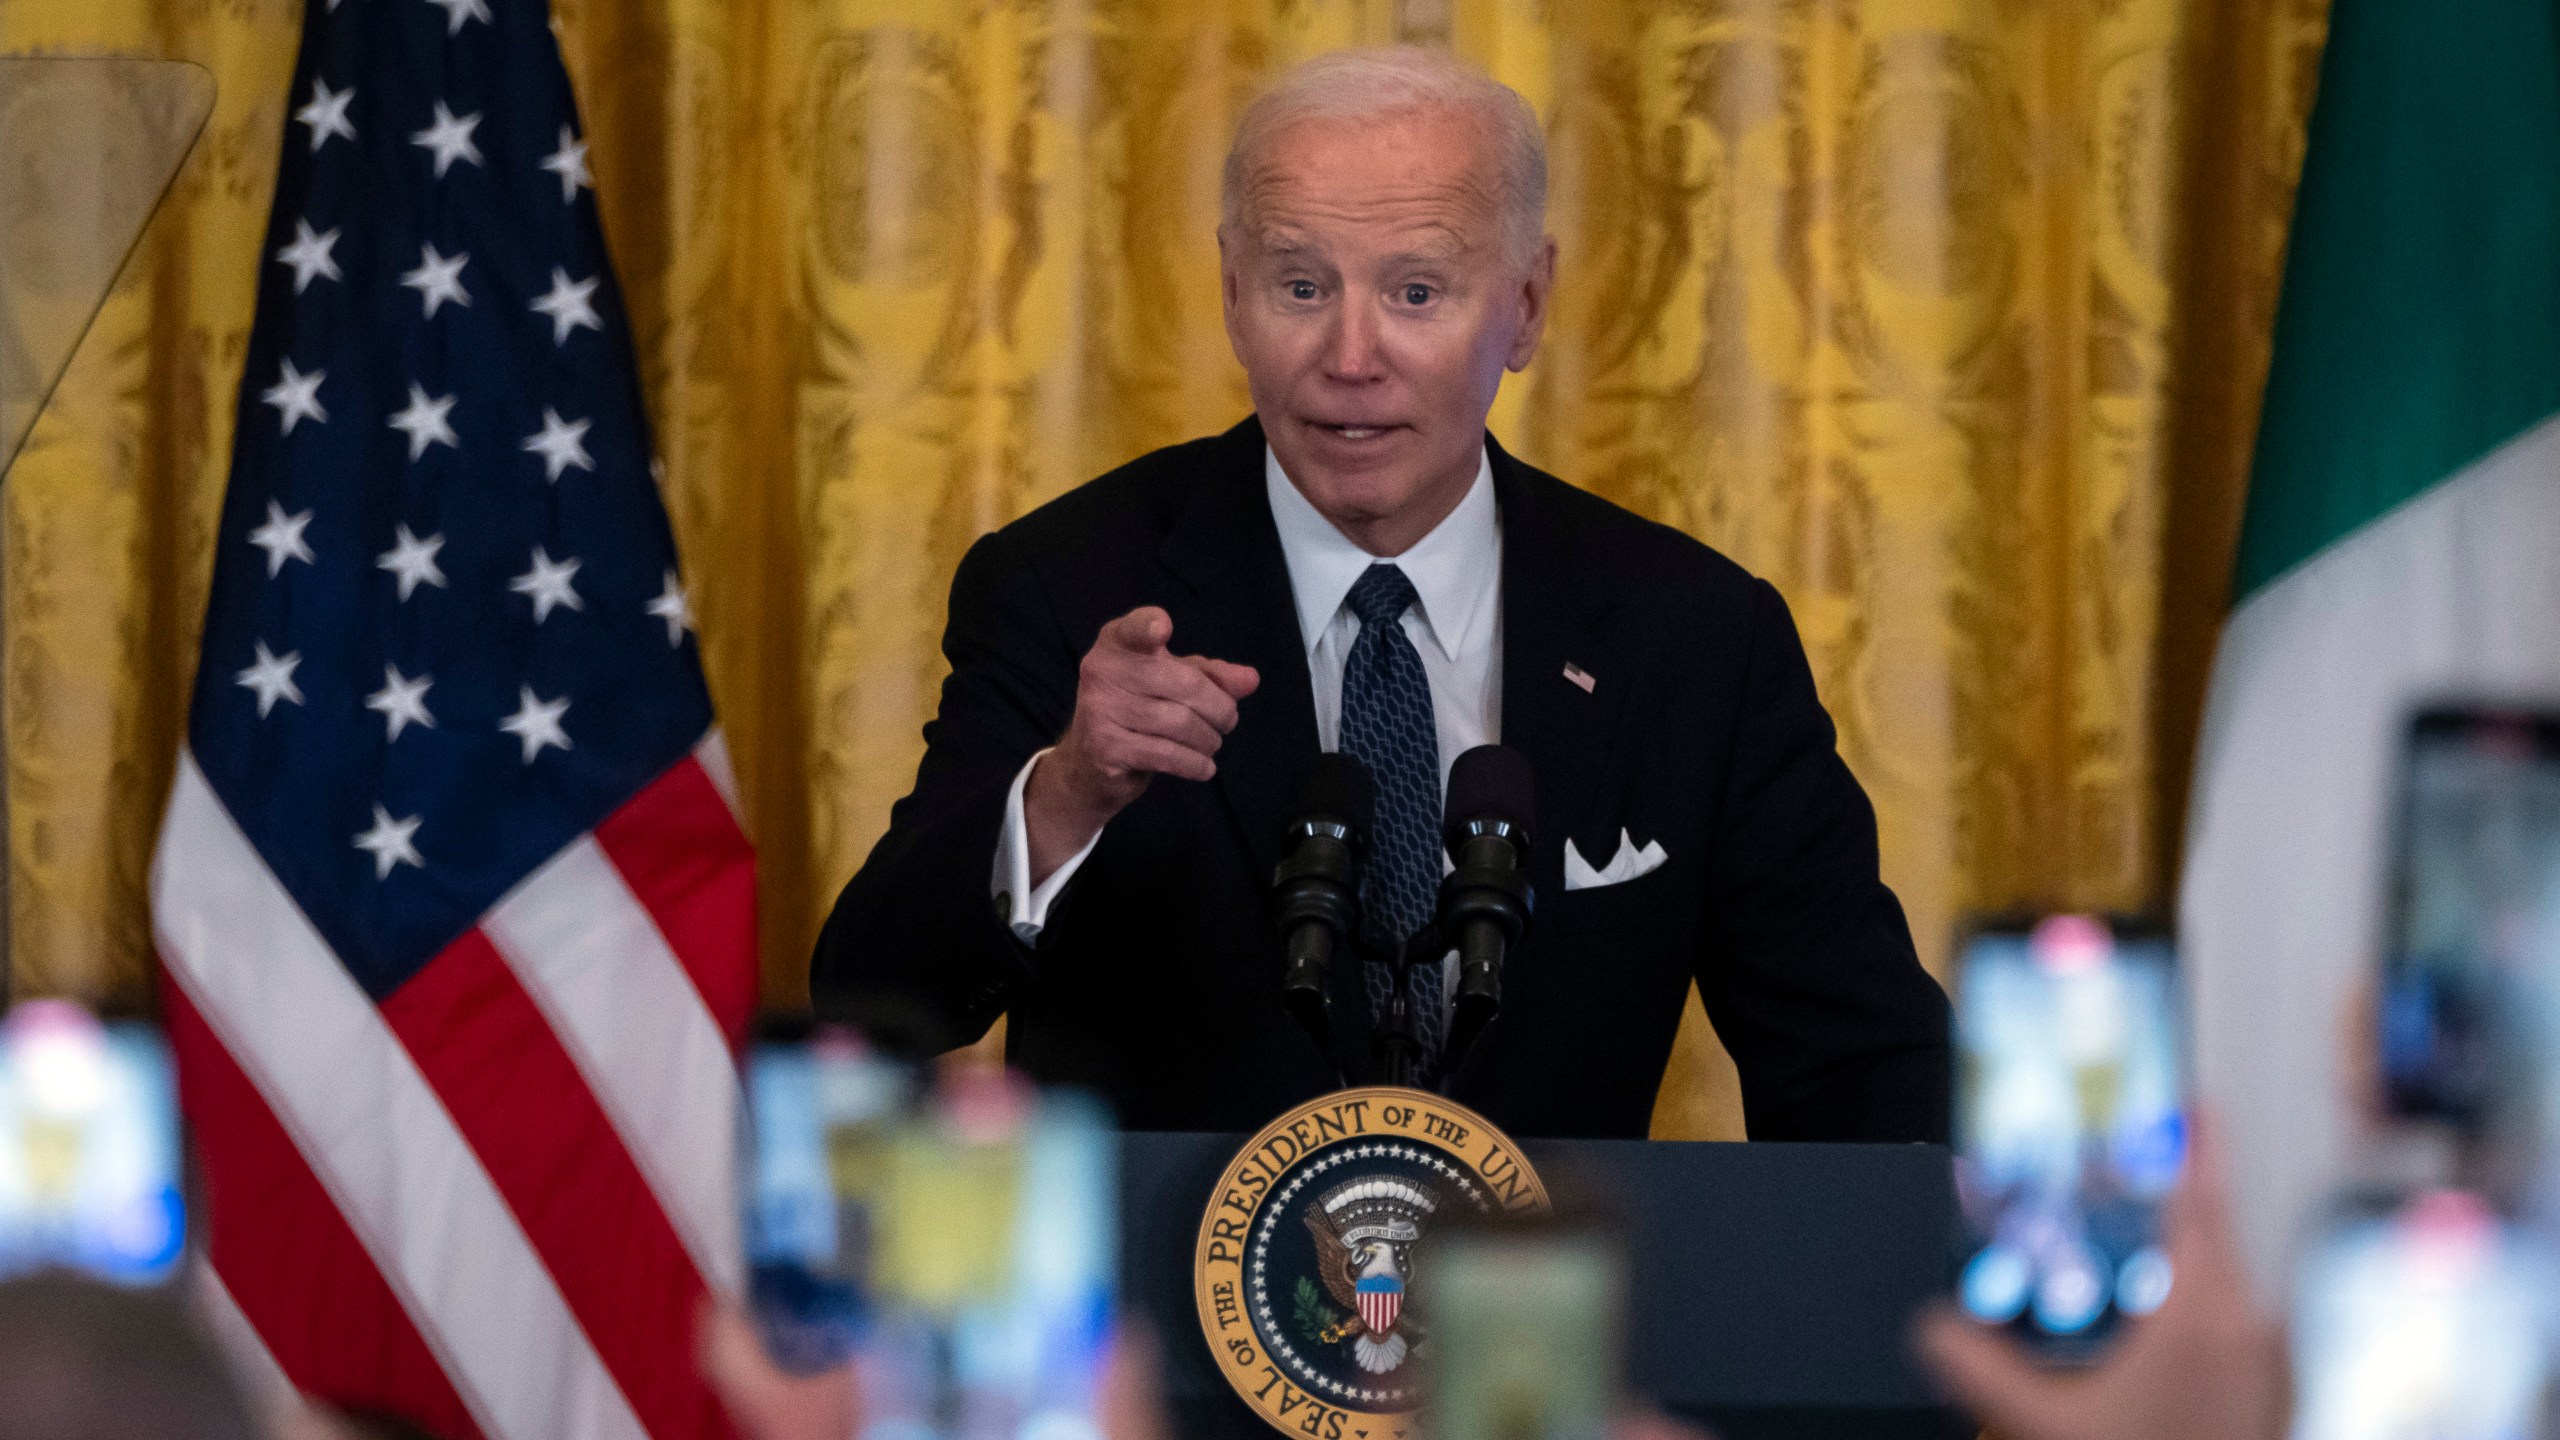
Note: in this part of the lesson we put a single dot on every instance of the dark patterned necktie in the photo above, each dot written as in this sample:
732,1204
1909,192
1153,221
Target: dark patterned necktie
1387,726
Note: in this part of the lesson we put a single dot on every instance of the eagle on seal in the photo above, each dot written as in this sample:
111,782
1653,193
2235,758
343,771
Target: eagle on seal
1364,1232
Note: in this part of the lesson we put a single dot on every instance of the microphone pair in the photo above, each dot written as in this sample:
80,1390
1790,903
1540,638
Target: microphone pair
1484,900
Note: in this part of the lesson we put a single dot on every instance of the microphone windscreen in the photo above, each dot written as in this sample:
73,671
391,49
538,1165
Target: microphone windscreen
1338,788
1493,782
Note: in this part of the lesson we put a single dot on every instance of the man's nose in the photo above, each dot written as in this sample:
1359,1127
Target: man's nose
1352,354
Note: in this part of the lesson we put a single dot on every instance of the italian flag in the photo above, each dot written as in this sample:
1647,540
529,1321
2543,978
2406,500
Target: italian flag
2401,545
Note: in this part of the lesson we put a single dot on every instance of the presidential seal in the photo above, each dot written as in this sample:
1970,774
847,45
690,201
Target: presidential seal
1307,1252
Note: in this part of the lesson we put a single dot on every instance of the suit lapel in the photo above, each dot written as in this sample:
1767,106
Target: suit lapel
1232,601
1555,602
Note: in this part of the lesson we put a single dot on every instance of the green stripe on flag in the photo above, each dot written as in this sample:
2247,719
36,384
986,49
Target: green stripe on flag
2420,322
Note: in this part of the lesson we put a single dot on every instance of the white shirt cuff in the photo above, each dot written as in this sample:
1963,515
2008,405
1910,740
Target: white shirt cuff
1013,866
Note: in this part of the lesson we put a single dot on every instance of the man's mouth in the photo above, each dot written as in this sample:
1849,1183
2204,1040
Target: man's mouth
1354,432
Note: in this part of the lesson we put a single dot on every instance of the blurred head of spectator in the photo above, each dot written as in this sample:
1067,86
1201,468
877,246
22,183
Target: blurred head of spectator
768,1403
83,1360
317,1423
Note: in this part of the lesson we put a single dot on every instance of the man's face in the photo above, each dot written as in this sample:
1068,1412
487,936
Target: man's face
1374,306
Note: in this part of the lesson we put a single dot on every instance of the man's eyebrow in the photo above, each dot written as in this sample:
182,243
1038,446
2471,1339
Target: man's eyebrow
1439,254
1438,245
1434,244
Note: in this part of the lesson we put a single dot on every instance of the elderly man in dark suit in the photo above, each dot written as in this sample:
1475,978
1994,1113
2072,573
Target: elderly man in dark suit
1143,671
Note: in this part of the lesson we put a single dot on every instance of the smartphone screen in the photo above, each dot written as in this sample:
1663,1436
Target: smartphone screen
90,1168
1527,1332
963,1242
823,1113
2429,1322
2070,1127
997,1262
2472,877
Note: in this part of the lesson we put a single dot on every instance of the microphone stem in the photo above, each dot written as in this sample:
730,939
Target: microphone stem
1310,945
1398,1047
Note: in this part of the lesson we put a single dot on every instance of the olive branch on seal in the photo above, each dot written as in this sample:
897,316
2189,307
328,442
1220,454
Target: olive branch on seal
1317,1322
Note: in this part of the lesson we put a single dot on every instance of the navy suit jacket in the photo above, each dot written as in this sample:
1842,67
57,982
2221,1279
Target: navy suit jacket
1157,977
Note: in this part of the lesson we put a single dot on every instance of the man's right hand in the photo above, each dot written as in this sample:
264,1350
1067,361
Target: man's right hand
1140,711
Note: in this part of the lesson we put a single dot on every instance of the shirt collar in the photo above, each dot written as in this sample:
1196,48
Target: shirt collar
1453,569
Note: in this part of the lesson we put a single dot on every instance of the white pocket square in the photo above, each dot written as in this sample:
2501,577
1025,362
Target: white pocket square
1626,865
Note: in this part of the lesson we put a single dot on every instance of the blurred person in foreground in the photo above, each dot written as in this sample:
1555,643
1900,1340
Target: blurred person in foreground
313,1422
2208,1365
84,1360
768,1403
1144,670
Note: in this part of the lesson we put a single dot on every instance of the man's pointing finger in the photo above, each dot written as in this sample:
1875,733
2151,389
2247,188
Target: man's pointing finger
1237,680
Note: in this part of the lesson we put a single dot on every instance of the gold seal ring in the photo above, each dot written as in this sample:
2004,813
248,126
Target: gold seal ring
1306,1252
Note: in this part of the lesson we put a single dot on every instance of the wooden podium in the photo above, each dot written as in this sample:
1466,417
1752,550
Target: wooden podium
1773,1285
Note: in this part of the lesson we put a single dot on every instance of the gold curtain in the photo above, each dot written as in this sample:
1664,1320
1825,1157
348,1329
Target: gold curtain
1947,316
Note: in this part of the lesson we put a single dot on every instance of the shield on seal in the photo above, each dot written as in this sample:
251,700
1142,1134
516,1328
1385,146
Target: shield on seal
1381,1297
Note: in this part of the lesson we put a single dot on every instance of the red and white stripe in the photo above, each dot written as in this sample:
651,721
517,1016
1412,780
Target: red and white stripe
1379,1308
493,1202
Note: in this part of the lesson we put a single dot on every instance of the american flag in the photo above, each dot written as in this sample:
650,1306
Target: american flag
456,912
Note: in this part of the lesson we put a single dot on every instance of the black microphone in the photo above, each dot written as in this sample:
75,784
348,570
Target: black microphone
1316,889
1485,901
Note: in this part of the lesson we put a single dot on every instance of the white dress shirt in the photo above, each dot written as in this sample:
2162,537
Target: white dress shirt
1455,625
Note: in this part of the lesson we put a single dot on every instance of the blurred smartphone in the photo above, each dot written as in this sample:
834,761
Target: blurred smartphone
996,1265
1527,1331
2070,1127
964,1242
823,1114
90,1168
2428,1321
2465,972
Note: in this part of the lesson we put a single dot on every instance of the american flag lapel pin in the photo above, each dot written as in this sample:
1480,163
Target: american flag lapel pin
1581,677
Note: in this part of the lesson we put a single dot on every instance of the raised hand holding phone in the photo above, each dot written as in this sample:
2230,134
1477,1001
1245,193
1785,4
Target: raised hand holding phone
2070,1128
2207,1365
91,1174
956,1249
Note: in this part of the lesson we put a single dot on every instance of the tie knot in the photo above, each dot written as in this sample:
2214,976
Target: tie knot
1380,596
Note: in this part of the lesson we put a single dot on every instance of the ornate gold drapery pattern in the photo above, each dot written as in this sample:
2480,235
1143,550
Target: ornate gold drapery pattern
1947,316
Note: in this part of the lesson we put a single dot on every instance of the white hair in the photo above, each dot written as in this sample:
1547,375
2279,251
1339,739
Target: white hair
1378,84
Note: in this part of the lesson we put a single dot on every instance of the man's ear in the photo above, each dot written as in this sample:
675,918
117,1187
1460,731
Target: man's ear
1535,289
